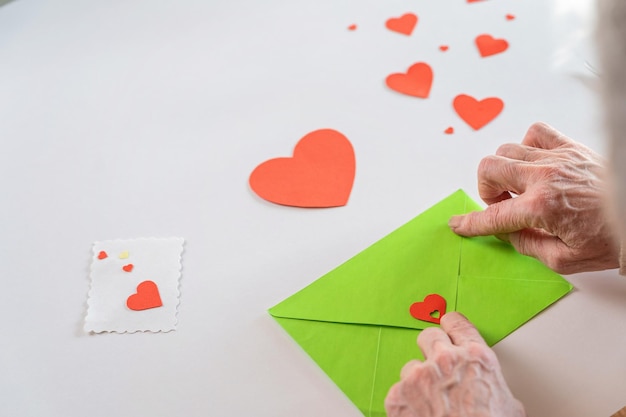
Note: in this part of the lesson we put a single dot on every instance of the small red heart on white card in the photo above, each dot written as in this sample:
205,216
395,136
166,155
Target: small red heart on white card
147,296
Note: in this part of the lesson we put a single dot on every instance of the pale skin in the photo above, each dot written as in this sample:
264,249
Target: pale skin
547,197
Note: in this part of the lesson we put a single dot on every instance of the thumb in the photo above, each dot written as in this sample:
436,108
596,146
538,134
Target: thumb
547,248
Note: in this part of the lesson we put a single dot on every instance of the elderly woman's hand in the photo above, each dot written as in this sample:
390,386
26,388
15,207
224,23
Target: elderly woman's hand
460,377
559,215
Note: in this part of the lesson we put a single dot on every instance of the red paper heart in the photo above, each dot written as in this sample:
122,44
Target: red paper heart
102,255
403,24
488,45
128,268
320,173
352,27
444,48
416,82
449,130
427,310
477,113
473,1
147,296
510,17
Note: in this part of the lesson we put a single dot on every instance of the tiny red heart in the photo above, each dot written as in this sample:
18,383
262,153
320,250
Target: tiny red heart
102,255
444,48
449,131
352,27
147,296
510,17
473,1
403,24
431,309
128,268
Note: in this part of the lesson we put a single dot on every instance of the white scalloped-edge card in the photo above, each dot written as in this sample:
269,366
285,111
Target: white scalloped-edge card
134,285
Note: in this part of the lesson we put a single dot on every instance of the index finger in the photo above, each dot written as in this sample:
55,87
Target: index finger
506,216
460,330
544,136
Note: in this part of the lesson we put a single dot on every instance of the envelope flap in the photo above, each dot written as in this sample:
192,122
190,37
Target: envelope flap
513,287
378,285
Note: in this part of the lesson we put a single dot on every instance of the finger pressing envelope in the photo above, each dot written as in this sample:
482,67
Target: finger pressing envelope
432,339
506,216
460,330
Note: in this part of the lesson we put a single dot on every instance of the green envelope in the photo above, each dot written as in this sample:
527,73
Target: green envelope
354,322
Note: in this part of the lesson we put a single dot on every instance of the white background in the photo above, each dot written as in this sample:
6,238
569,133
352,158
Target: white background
124,119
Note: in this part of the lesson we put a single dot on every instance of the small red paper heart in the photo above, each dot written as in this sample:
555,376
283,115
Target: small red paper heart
320,173
128,268
510,17
488,45
444,48
147,296
449,130
473,1
416,82
403,24
102,255
477,113
352,27
431,309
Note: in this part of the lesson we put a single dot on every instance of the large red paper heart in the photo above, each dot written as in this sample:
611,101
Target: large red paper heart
403,24
477,113
320,173
416,82
431,309
488,45
147,296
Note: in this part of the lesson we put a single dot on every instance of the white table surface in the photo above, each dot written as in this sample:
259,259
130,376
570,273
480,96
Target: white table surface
122,119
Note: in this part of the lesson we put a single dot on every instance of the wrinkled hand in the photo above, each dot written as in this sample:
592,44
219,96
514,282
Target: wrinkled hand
460,377
559,215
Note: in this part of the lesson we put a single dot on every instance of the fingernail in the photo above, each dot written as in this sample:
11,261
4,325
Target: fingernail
454,222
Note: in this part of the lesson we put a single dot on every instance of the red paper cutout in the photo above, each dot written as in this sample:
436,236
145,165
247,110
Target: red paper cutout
320,173
352,27
510,17
488,45
444,48
147,296
426,310
102,255
128,268
473,1
449,131
403,24
477,113
416,82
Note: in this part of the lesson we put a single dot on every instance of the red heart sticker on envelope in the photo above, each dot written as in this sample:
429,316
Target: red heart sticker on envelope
320,173
147,296
416,82
431,309
403,24
477,113
488,45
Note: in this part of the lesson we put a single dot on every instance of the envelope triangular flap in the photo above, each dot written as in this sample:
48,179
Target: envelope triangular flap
495,280
378,285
